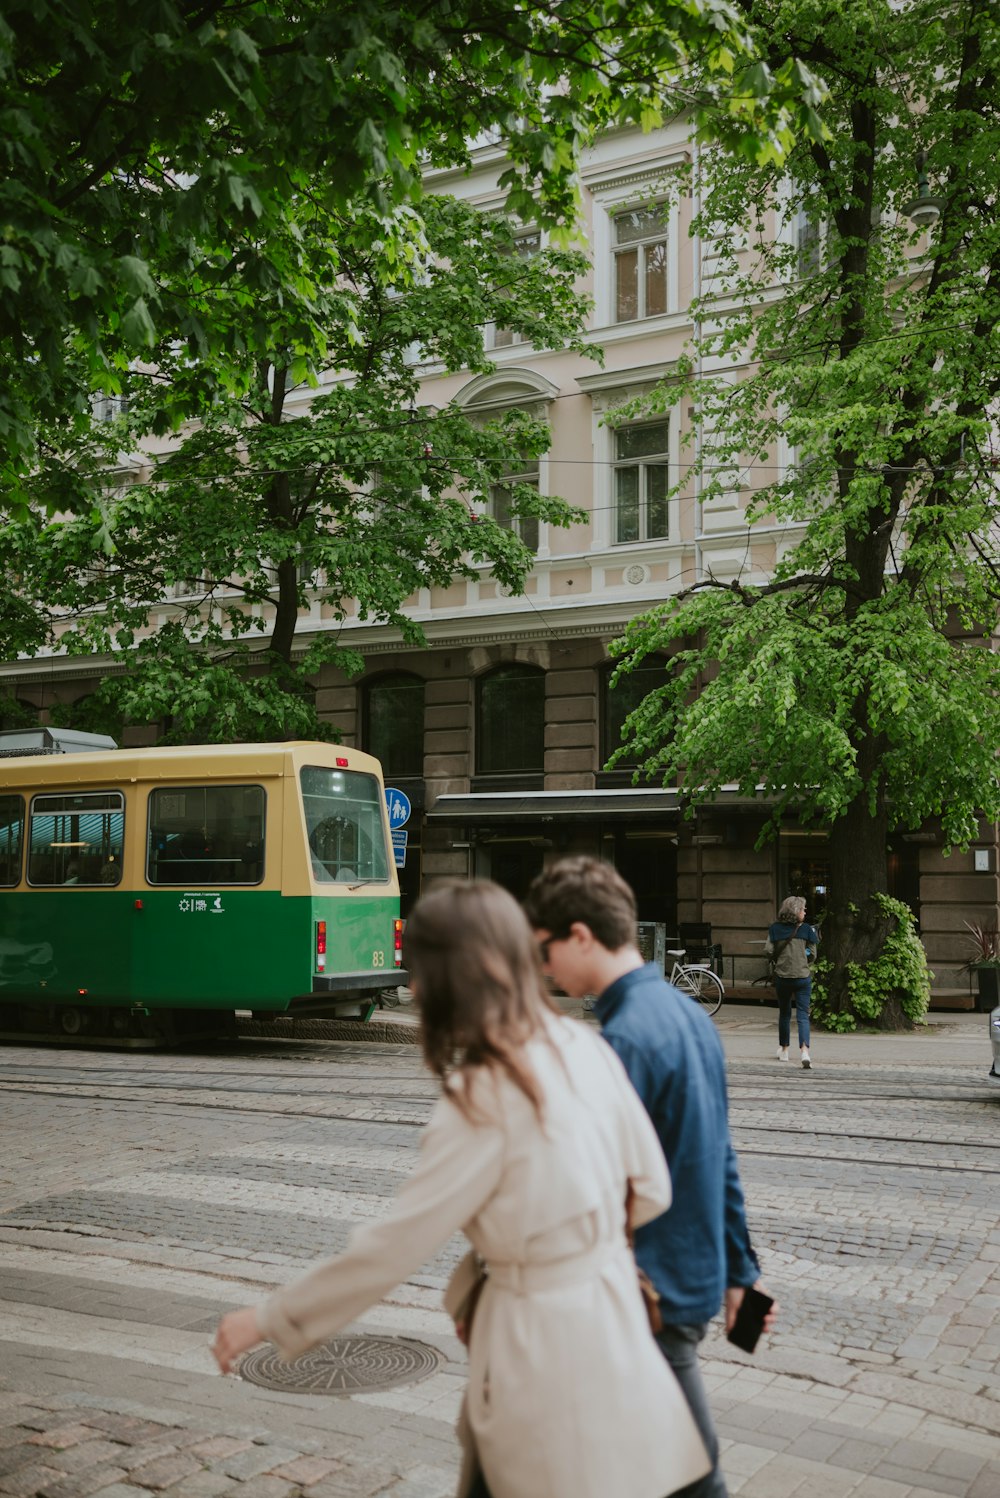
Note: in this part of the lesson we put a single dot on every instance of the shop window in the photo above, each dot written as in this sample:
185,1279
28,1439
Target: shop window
641,482
77,839
206,835
510,721
804,869
618,701
393,723
640,261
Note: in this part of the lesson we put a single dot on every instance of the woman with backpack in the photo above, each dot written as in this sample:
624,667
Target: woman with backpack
791,946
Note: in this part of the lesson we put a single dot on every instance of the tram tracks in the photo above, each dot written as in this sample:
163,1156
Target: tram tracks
384,1109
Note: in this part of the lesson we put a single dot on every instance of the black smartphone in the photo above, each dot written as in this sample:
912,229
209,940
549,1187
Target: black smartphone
746,1329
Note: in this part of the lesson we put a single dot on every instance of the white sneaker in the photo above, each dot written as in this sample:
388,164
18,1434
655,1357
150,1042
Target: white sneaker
804,1053
782,1053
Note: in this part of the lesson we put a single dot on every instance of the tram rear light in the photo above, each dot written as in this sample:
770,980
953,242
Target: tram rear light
320,946
397,942
341,763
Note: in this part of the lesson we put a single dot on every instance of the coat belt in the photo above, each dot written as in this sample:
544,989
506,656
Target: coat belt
528,1276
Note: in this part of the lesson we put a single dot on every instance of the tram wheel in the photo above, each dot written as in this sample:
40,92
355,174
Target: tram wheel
72,1021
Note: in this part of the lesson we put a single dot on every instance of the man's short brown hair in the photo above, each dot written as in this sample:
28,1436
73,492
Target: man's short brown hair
587,890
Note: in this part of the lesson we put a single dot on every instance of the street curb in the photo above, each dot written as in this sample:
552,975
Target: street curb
387,1031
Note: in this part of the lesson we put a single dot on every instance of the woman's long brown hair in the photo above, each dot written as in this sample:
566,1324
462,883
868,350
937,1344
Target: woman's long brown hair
479,982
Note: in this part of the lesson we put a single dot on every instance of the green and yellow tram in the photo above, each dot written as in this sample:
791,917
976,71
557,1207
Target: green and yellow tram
155,892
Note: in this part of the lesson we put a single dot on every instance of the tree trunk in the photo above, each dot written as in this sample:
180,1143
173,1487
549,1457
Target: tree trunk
855,929
286,612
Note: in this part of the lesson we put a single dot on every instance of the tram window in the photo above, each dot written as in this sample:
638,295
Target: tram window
11,838
344,825
206,835
77,839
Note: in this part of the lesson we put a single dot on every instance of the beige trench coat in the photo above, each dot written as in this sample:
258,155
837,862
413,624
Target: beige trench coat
569,1396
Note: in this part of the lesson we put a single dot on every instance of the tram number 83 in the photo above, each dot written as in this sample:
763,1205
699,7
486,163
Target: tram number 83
378,959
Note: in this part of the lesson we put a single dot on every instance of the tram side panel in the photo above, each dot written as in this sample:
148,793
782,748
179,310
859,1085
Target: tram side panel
65,947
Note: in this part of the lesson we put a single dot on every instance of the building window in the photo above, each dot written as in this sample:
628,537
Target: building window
640,482
393,723
640,258
525,247
620,700
205,835
807,243
510,721
77,839
525,526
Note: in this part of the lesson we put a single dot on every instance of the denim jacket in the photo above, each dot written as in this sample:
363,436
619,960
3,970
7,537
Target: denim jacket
673,1055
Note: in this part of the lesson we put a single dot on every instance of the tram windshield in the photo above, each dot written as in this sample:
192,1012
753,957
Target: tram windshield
344,825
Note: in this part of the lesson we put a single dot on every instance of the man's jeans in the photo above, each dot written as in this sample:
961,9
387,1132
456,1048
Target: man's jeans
799,991
679,1345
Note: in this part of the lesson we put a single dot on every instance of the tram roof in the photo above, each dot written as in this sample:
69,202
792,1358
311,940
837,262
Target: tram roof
180,762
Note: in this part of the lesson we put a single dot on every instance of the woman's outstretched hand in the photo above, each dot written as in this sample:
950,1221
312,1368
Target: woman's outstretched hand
237,1333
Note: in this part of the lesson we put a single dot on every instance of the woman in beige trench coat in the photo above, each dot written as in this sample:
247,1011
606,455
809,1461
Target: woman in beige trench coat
529,1152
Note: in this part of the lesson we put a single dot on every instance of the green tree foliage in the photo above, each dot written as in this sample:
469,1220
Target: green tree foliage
341,491
145,142
855,682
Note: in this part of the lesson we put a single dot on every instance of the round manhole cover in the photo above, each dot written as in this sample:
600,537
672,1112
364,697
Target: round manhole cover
344,1365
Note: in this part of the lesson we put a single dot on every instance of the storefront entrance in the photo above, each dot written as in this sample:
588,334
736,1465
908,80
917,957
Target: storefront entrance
648,862
511,861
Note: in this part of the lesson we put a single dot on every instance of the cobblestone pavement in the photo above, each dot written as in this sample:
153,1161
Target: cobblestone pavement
140,1195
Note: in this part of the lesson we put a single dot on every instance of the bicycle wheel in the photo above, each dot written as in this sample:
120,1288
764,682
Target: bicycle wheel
702,984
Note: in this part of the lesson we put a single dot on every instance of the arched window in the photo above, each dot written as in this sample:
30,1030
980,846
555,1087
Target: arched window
393,723
620,700
16,713
510,721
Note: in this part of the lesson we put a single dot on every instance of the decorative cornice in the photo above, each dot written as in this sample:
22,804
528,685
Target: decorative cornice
479,392
608,178
623,379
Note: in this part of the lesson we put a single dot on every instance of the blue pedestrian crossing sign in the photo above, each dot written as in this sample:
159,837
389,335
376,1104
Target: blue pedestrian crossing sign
399,806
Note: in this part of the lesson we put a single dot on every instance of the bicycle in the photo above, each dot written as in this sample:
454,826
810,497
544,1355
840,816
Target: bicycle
698,980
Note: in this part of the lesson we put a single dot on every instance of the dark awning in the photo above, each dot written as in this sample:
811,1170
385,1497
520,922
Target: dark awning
632,803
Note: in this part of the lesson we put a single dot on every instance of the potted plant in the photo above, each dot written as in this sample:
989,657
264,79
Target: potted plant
985,963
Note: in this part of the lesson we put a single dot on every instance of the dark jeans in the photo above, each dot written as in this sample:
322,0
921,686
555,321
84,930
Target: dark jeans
679,1345
799,992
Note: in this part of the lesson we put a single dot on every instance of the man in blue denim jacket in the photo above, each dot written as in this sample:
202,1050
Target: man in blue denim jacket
698,1254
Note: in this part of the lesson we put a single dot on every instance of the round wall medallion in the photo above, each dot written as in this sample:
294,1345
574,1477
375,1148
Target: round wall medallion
343,1365
636,574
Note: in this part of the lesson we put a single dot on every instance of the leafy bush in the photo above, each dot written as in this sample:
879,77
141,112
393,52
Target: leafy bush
898,978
